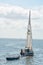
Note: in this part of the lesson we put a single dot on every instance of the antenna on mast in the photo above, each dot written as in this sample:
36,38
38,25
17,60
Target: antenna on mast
29,16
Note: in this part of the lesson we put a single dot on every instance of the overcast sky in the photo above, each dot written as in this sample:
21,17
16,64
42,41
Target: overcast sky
14,15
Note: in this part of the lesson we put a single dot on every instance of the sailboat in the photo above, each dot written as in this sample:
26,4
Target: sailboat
28,51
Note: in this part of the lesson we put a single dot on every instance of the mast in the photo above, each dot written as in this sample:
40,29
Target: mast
29,34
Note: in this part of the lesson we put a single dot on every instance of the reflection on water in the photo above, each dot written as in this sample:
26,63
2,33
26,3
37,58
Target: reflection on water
29,61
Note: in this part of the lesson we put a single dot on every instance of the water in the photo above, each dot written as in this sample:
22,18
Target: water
13,46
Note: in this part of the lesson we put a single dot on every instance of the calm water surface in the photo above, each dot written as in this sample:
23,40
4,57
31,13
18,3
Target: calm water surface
13,46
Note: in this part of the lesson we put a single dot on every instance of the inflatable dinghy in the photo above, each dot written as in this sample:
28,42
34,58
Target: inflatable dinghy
12,57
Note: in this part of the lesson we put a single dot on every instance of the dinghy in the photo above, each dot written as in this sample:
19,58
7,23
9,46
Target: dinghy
12,57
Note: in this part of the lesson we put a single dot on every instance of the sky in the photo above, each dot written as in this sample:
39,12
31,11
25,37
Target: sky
14,16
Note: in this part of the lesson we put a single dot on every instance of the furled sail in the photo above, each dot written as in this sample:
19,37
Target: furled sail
29,34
